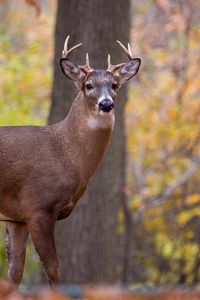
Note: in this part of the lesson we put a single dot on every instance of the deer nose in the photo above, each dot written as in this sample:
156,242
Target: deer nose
106,105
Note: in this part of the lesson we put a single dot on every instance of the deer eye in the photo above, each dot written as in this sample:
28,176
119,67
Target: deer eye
89,86
114,86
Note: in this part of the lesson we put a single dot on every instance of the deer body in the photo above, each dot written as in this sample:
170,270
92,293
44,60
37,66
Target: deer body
44,170
62,161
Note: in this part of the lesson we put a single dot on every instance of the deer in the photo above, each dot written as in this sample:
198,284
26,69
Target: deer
44,170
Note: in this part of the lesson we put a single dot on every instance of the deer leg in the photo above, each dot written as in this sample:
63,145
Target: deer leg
16,239
42,233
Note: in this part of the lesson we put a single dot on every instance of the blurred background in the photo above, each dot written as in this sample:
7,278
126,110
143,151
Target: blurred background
139,222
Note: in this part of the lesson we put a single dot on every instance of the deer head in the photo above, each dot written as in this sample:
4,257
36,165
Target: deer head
99,86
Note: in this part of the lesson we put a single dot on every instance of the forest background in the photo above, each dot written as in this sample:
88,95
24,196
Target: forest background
158,222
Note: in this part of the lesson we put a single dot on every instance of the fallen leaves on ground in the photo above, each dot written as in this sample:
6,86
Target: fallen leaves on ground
98,293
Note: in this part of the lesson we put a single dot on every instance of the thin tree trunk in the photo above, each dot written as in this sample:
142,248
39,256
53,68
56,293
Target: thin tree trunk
88,242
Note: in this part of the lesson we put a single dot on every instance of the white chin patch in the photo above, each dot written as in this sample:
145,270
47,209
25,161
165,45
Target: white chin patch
102,120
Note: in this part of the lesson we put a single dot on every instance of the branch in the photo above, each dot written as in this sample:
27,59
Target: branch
194,167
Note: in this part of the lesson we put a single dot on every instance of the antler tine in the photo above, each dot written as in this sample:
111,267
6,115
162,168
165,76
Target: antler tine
127,51
66,52
87,61
130,51
109,61
111,67
86,68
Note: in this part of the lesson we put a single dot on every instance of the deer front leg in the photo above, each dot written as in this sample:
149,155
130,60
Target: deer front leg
16,239
42,232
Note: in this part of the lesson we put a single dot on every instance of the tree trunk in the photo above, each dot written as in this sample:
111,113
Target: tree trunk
88,242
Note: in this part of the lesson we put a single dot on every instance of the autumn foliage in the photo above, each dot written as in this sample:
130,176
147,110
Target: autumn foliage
163,195
98,293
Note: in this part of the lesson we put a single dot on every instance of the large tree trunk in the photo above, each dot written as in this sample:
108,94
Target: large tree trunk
88,243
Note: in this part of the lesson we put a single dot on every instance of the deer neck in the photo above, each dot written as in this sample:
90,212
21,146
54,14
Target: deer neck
85,136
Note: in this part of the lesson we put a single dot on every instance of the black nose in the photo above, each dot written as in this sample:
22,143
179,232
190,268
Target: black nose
106,105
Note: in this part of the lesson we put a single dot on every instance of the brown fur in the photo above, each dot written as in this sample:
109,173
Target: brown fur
43,173
44,170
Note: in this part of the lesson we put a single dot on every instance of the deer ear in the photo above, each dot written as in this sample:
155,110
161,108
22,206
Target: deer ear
127,70
72,71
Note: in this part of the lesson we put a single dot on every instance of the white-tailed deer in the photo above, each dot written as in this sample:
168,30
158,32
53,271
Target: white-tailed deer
44,170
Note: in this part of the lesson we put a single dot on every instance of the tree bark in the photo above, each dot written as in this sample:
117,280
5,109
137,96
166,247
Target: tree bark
88,242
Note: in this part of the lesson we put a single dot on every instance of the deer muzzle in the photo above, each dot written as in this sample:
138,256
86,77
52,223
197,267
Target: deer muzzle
106,105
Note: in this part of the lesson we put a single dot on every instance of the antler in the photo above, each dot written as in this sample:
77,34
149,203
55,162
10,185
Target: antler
127,51
65,53
86,68
112,68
